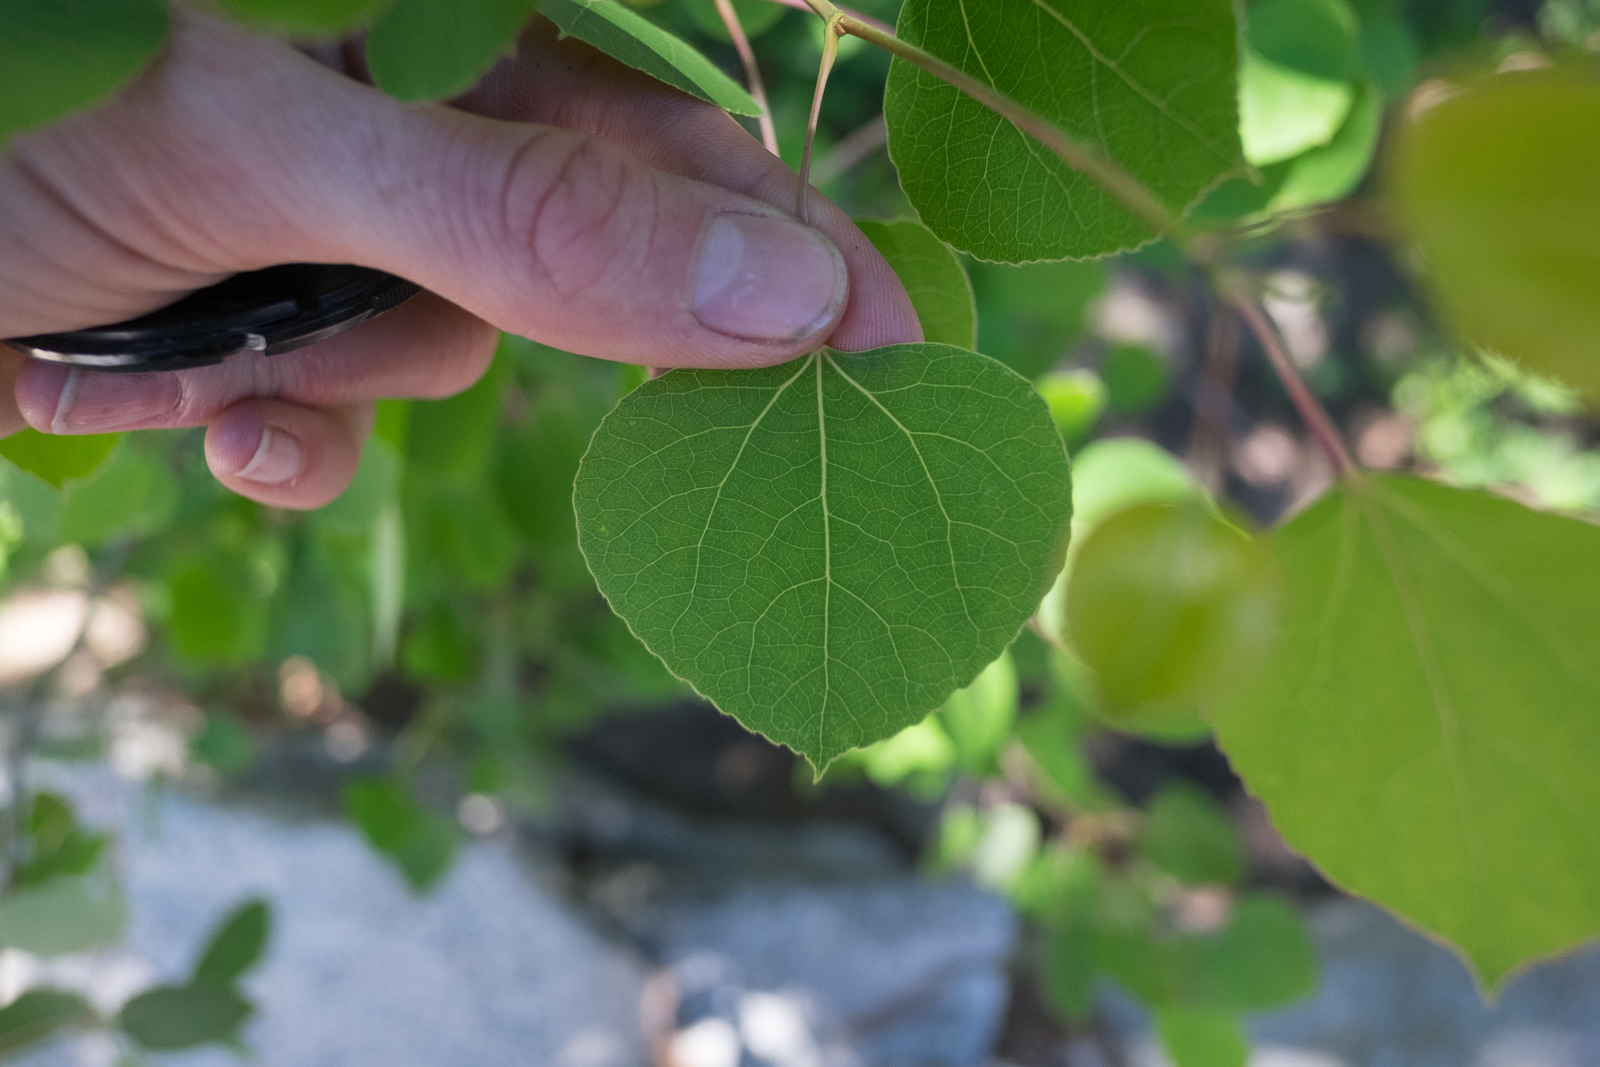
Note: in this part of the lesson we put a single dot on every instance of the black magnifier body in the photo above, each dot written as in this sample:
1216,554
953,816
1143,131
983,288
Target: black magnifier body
270,311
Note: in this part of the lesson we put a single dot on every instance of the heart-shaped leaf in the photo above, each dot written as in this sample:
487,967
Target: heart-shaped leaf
828,549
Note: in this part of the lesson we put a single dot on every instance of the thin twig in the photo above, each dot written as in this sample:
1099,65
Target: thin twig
1208,442
856,145
1305,402
830,52
752,72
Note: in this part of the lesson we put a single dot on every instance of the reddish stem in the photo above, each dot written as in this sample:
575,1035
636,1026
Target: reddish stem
752,72
1305,402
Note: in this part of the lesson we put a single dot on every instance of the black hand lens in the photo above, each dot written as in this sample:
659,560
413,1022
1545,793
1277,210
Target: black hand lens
271,311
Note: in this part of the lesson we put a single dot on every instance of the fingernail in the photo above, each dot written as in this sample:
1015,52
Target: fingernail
760,278
278,459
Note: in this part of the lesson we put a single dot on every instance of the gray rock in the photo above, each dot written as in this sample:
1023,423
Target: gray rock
490,969
898,973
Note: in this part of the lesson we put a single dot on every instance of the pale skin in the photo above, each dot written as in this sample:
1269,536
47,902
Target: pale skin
566,198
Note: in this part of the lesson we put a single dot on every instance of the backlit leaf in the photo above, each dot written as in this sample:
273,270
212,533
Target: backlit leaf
933,277
1498,186
58,459
62,55
828,549
1169,604
1151,83
1435,683
979,717
632,39
427,50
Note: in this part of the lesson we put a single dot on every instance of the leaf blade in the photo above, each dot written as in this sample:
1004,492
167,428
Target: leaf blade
844,506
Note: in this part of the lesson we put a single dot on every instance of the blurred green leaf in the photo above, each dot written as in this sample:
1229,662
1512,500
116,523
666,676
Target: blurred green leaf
451,439
630,38
63,55
920,757
1332,171
755,16
979,717
1076,399
305,18
1163,106
224,745
1189,836
1008,843
1136,378
469,532
57,845
214,617
1029,316
375,486
237,944
1435,662
1283,112
789,510
1262,959
1315,37
426,50
933,276
1497,185
64,914
58,459
1169,604
420,842
1202,1037
132,495
172,1018
36,1015
440,647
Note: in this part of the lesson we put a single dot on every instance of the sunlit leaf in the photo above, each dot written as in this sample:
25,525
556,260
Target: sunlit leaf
1284,112
1426,730
1332,171
1151,83
933,277
58,459
427,50
828,549
1498,187
1202,1037
632,39
63,55
1076,399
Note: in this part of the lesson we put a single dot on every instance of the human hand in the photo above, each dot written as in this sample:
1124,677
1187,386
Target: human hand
566,198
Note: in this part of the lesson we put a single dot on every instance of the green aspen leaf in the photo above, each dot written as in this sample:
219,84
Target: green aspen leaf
933,277
1333,171
1136,378
979,717
1008,844
1189,836
305,18
428,50
451,440
237,945
1264,958
632,39
1029,316
1202,1037
1498,188
920,757
61,915
58,459
132,494
214,618
1150,83
1426,730
1314,37
172,1018
1169,604
63,55
755,16
38,1014
829,548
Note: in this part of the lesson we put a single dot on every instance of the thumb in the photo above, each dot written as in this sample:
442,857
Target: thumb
235,153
